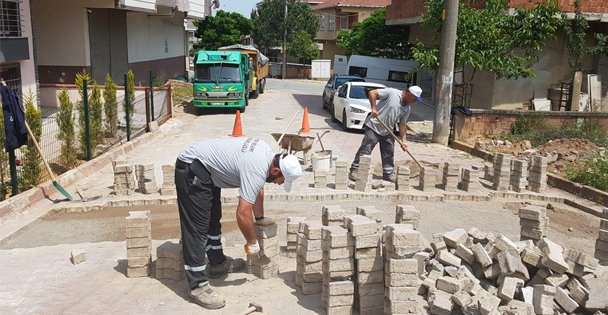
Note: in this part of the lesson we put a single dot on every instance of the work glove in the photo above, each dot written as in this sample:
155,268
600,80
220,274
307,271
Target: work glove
264,221
252,249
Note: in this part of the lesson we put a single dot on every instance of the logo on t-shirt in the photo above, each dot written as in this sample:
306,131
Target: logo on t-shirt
249,145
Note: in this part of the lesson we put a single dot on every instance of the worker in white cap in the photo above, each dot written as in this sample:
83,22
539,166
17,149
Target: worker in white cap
202,169
392,106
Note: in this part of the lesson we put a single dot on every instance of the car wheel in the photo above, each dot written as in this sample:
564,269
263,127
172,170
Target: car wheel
344,120
333,113
323,102
262,86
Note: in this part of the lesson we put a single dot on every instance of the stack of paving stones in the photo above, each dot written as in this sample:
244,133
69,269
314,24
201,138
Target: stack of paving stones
265,264
320,177
502,171
309,260
403,178
470,180
408,215
451,176
519,175
368,263
145,178
170,261
537,178
533,222
488,172
139,244
337,265
124,182
332,215
364,174
293,226
483,273
428,178
402,269
371,212
168,187
342,175
601,244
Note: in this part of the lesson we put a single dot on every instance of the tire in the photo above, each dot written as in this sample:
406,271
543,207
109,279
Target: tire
325,105
344,120
245,106
262,86
256,93
333,113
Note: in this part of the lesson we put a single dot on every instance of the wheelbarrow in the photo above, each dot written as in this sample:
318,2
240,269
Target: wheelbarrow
294,143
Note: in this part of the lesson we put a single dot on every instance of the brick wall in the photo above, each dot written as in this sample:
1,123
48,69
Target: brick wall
587,6
404,9
497,122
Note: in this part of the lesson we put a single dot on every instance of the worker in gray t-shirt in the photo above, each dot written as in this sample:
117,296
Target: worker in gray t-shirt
392,108
202,169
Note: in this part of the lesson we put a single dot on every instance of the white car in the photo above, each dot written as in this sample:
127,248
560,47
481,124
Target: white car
351,105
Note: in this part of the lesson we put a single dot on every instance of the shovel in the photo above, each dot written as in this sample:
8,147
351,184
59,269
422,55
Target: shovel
390,132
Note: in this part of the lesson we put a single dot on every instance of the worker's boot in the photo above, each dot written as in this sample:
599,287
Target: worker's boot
229,265
206,297
392,177
353,175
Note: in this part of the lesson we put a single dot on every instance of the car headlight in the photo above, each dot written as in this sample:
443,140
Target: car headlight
200,94
356,110
235,95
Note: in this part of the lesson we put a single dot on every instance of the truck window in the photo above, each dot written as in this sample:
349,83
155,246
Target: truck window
358,71
400,76
217,72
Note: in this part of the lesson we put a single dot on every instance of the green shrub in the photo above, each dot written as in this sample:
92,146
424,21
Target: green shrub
96,110
65,122
31,160
537,129
111,106
594,173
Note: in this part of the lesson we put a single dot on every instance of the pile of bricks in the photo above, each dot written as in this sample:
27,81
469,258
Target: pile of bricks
309,260
403,178
371,212
502,171
537,177
332,215
470,180
341,175
519,175
170,261
451,176
293,226
408,215
428,178
402,269
320,177
264,264
338,286
139,243
124,182
533,222
364,174
145,178
601,244
168,187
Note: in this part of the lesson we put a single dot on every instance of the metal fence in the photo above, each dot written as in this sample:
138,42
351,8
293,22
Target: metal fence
51,146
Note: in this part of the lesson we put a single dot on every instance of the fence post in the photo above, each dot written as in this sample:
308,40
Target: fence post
127,119
147,95
87,129
151,98
12,160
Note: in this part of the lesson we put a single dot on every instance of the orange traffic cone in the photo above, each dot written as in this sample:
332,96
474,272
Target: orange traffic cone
305,125
237,130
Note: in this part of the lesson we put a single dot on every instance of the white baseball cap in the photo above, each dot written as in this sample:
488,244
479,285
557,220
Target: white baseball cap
416,91
291,170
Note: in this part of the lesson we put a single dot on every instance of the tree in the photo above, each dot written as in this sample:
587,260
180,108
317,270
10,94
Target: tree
269,22
65,122
223,29
131,87
82,77
372,37
506,45
303,47
30,172
576,38
111,106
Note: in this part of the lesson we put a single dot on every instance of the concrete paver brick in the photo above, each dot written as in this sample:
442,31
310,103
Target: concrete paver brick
553,257
368,253
508,288
441,304
557,280
402,265
564,300
448,284
465,253
370,265
598,295
341,287
293,224
577,291
78,256
455,237
448,258
481,255
543,299
512,266
367,241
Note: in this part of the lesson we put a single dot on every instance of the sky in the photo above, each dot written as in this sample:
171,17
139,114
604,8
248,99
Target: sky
243,7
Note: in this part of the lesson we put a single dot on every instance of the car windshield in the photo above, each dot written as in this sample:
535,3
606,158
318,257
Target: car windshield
217,72
358,91
340,81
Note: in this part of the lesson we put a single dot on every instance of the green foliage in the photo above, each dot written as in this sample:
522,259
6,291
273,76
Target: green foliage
31,160
4,167
491,40
539,131
96,111
269,22
526,124
223,29
81,77
131,87
601,47
65,122
372,37
111,106
576,34
303,46
594,173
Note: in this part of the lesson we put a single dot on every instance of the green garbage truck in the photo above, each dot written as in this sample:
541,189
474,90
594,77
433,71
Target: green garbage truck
222,79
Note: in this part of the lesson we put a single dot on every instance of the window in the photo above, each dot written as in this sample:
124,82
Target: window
344,22
321,22
342,90
358,71
397,76
10,21
11,74
331,24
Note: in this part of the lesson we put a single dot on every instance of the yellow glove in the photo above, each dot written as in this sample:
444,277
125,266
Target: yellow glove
264,221
252,249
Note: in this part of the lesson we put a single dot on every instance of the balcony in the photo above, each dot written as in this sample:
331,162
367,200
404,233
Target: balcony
13,46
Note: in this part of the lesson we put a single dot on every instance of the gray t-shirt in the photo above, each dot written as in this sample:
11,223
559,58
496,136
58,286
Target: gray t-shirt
390,111
233,162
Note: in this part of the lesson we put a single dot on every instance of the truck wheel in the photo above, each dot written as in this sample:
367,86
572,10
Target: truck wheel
256,93
262,86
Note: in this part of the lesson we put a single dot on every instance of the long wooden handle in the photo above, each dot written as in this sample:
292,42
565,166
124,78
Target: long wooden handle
390,132
284,132
48,168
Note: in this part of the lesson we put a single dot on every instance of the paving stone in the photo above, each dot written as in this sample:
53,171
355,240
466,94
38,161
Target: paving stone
360,225
337,236
512,266
564,300
476,234
465,253
540,276
481,255
532,257
515,307
598,294
508,288
448,284
448,258
553,257
340,310
577,291
337,253
543,299
309,288
266,231
369,265
488,303
370,277
308,244
438,246
504,244
312,277
441,304
401,294
339,300
78,256
343,264
369,301
455,237
492,271
401,280
557,280
367,241
409,266
293,224
138,272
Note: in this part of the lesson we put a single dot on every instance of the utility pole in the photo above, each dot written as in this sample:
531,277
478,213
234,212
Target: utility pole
284,70
445,75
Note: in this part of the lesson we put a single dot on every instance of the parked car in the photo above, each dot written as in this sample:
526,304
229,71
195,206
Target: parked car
333,84
351,105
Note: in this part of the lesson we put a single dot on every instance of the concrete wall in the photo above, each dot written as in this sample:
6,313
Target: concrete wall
27,67
155,37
